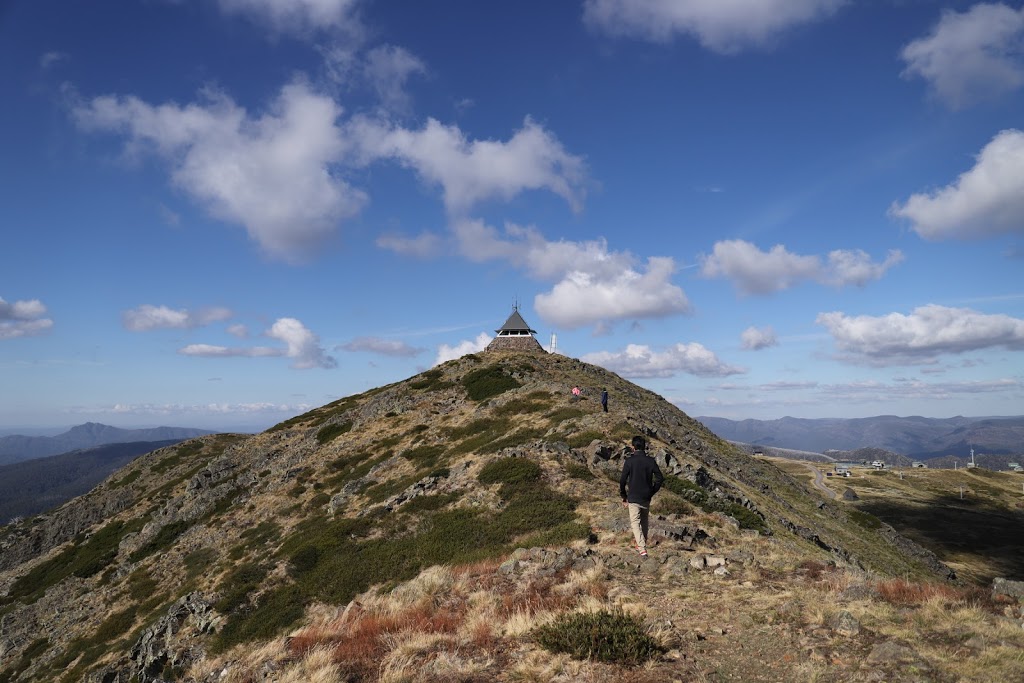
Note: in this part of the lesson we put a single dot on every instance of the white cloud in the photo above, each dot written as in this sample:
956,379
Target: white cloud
758,272
472,171
929,331
755,339
972,55
271,174
385,347
303,346
213,351
446,353
238,330
387,69
593,285
424,245
726,26
297,16
148,317
584,298
986,201
23,319
638,360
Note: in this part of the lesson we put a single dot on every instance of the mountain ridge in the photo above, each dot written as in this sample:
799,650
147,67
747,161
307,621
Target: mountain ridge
189,560
16,448
908,436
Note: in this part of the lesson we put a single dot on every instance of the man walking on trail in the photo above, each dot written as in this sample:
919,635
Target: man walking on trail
642,476
604,400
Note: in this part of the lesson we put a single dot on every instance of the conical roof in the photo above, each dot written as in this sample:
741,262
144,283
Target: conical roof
515,323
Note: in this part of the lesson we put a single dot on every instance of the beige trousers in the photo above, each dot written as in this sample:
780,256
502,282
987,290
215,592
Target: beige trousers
638,518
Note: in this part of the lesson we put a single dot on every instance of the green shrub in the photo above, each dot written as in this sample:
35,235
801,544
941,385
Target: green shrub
141,585
331,432
561,535
604,636
198,561
429,503
262,534
115,625
163,539
82,559
238,584
560,415
126,479
865,519
686,489
483,383
431,380
425,456
667,503
581,439
514,471
36,648
276,611
577,471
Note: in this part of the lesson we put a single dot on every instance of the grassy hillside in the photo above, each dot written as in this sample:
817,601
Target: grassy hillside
970,518
465,525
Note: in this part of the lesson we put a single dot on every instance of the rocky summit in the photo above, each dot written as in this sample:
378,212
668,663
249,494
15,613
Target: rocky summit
465,525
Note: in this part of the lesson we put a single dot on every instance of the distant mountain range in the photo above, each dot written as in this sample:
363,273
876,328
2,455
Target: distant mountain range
40,484
17,448
915,437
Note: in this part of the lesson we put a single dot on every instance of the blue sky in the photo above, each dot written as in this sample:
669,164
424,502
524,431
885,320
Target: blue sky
220,213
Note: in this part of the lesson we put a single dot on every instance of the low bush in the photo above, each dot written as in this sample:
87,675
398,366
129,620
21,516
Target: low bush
198,561
864,519
163,539
577,471
489,381
431,380
331,432
84,558
613,637
236,586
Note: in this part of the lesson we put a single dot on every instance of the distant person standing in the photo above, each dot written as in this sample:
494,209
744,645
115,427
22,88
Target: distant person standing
576,393
642,477
604,400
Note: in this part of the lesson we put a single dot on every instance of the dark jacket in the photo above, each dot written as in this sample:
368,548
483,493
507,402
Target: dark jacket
644,477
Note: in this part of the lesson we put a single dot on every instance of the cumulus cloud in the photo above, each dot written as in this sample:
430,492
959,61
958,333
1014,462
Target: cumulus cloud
918,338
972,55
278,174
763,272
303,347
300,344
446,352
986,201
385,347
472,171
272,174
755,339
585,298
592,284
726,26
297,16
424,245
23,319
148,317
639,360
